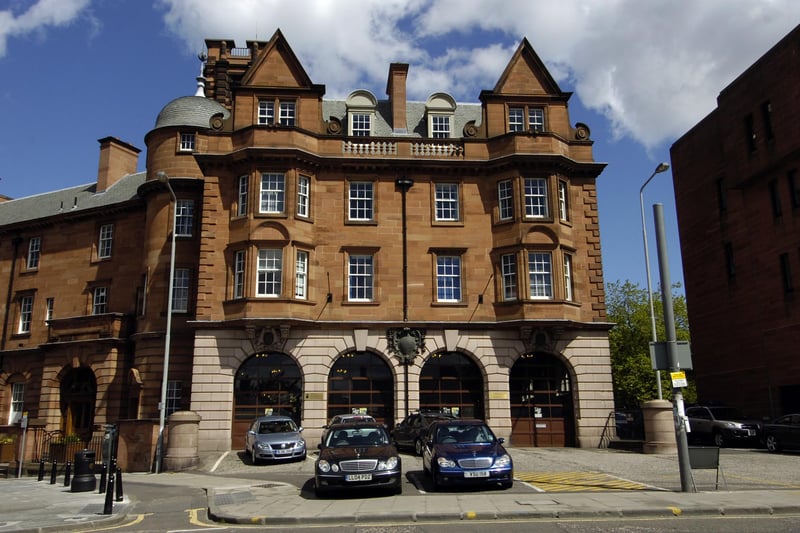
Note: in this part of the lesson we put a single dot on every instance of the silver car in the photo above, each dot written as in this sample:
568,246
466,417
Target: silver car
274,438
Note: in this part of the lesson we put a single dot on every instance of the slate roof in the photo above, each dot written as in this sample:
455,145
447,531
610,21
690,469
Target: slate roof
415,116
70,200
195,111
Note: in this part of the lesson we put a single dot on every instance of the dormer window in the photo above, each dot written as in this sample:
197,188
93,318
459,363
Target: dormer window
361,113
517,119
266,112
440,110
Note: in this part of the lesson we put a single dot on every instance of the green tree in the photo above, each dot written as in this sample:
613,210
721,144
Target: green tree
634,377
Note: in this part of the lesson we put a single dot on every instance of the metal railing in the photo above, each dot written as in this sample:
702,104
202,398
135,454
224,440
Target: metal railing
56,446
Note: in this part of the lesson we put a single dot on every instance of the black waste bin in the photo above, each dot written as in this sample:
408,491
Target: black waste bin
84,479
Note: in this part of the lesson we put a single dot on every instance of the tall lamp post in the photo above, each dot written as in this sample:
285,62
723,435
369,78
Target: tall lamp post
662,167
162,406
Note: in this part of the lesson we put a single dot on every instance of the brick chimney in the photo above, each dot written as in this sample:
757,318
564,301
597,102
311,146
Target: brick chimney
117,159
396,90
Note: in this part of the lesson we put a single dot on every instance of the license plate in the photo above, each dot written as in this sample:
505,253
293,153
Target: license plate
477,473
358,477
282,452
751,432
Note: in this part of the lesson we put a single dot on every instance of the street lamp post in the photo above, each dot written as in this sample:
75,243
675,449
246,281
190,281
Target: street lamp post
162,406
659,169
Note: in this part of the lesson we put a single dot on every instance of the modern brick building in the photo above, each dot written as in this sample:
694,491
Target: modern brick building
365,254
737,192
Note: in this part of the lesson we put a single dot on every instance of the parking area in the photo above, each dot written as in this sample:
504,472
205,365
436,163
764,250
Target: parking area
567,469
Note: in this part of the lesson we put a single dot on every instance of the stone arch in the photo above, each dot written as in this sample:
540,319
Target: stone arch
362,381
453,381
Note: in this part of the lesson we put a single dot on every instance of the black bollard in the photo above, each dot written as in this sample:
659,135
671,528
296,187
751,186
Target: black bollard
119,484
102,488
67,473
53,472
41,470
109,503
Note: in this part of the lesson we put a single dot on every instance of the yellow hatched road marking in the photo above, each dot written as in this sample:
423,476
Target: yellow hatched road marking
578,481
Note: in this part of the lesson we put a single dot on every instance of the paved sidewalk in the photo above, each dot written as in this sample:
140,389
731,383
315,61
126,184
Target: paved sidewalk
757,483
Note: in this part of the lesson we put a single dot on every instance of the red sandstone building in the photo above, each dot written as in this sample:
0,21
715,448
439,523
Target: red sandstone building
737,191
365,254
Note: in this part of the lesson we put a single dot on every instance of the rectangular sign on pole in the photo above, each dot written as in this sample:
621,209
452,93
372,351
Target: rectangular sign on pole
660,359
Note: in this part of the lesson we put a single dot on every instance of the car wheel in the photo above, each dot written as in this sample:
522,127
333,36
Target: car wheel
319,491
253,458
418,447
436,483
772,443
719,440
507,485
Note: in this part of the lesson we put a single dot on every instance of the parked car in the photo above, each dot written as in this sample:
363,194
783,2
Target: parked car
411,431
721,425
782,433
276,438
357,455
465,452
349,417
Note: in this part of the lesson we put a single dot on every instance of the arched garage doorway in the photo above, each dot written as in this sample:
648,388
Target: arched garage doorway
266,383
542,412
361,382
452,381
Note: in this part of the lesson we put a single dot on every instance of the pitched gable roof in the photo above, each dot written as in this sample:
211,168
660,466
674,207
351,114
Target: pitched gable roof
526,74
277,66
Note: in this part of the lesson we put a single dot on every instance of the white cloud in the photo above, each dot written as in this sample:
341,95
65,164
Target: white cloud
39,16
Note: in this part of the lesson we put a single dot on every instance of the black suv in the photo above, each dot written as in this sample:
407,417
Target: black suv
410,432
721,425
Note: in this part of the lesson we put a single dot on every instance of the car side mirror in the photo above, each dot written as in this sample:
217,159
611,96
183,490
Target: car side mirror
251,432
501,440
300,429
319,445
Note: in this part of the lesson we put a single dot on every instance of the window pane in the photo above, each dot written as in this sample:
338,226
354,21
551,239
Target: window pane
269,272
361,201
536,119
25,314
184,216
105,241
301,275
173,396
180,290
17,402
238,275
100,300
287,114
272,193
447,201
515,119
509,268
34,249
187,142
241,209
303,196
448,278
568,277
360,278
360,124
540,271
535,198
266,112
563,201
440,126
505,200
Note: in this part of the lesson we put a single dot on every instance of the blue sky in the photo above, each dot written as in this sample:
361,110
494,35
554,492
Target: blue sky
643,72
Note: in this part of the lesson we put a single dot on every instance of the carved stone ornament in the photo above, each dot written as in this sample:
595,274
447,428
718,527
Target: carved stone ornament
334,126
268,338
405,343
540,339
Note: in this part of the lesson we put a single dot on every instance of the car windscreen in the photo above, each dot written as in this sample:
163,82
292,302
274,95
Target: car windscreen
464,434
370,436
727,413
277,426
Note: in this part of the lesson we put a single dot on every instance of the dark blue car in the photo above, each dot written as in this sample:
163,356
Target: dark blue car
465,452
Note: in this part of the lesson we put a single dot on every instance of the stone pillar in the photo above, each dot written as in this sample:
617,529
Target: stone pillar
182,441
659,427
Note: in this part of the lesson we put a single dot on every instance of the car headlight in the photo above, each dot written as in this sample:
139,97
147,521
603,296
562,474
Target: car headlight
262,445
445,462
732,425
503,461
334,467
388,464
323,466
